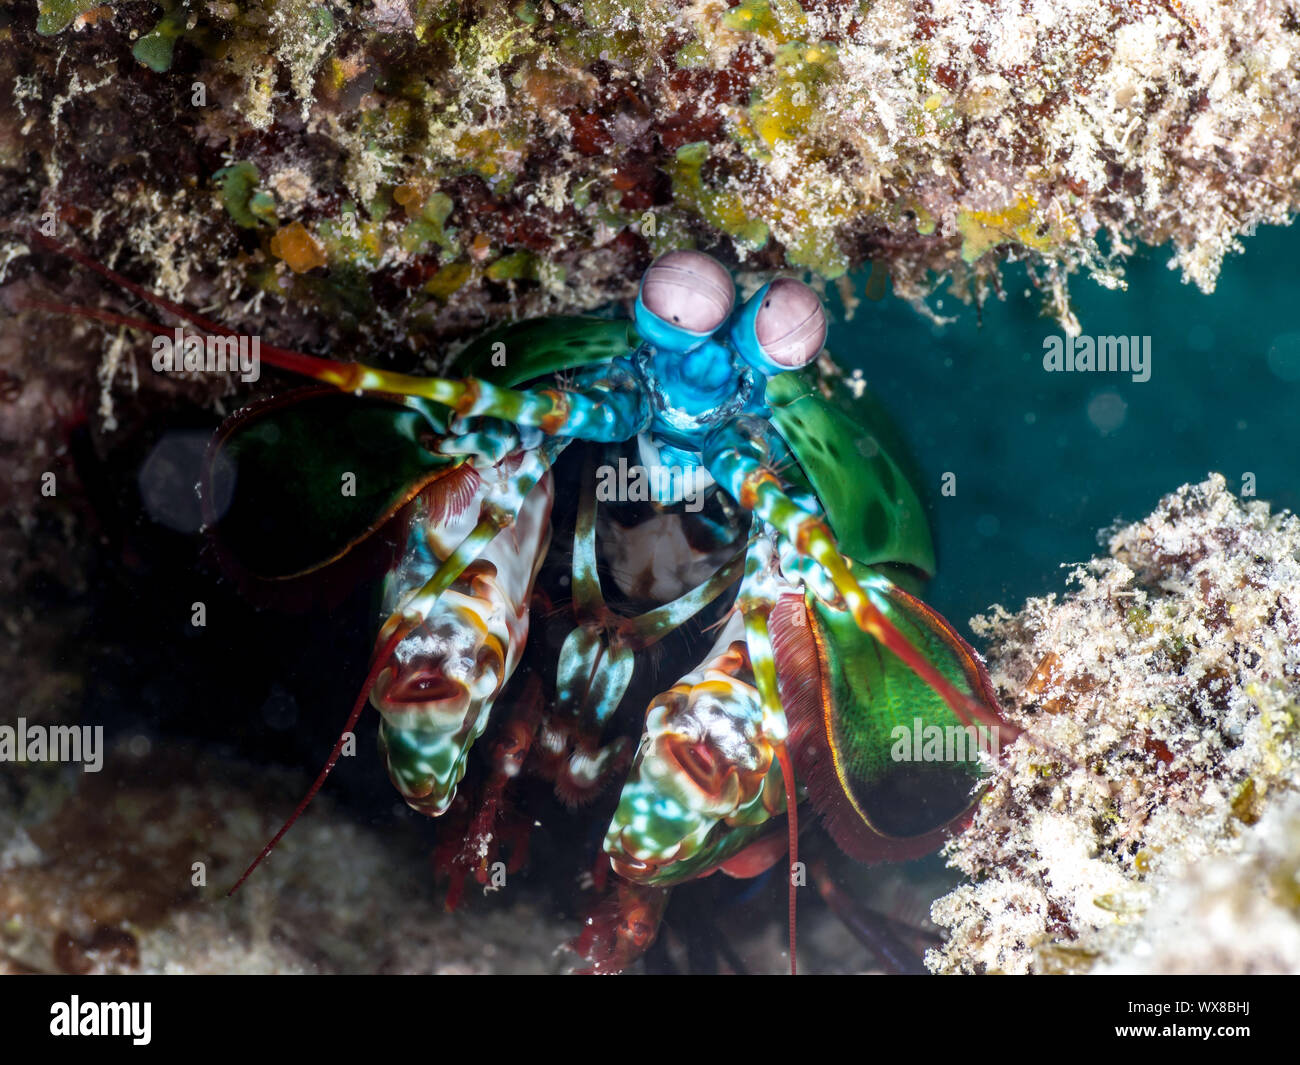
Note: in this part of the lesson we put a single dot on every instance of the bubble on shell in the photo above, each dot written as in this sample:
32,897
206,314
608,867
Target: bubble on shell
790,324
688,289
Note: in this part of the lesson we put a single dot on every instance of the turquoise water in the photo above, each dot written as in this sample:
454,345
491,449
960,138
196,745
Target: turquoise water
1044,460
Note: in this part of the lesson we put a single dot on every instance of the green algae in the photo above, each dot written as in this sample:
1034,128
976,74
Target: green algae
777,21
427,223
156,49
817,133
721,206
1019,223
519,265
449,280
350,240
783,111
247,205
817,250
55,16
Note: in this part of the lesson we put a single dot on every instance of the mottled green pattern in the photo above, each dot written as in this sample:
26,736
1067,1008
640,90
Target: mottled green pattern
665,820
426,765
849,452
722,844
540,346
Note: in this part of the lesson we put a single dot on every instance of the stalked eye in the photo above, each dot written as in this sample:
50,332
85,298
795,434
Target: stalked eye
782,327
688,294
790,325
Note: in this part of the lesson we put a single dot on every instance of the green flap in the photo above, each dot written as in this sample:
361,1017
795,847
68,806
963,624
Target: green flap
281,465
906,760
539,346
855,461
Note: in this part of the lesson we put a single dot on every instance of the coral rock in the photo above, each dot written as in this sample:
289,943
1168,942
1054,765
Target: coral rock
1148,818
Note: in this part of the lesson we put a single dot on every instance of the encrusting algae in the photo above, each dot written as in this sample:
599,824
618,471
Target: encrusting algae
933,139
1149,819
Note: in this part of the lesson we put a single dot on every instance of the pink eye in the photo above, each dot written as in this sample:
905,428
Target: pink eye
790,325
689,290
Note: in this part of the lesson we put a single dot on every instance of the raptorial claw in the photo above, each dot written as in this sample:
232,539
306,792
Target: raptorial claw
705,779
438,688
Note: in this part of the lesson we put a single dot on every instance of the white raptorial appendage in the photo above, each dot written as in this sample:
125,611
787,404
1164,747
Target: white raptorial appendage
436,697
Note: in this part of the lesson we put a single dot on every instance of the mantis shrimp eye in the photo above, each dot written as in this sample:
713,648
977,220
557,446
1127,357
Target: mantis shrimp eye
790,324
783,327
685,296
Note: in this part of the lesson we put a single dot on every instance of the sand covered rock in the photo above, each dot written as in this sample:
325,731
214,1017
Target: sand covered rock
127,871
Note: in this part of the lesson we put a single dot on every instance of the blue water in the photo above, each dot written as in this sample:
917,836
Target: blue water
1044,460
